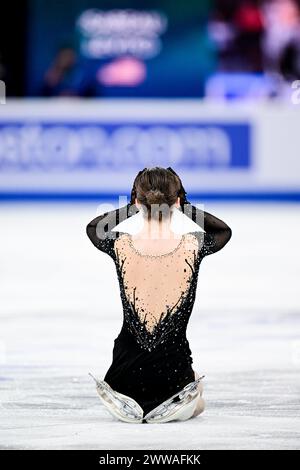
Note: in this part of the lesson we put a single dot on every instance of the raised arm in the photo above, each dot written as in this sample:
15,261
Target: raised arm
217,232
99,230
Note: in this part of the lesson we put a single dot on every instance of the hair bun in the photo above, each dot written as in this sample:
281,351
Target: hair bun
155,196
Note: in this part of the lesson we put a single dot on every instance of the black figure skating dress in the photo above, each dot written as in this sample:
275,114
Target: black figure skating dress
151,355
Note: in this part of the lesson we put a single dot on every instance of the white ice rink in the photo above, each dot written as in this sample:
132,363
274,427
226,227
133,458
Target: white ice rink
61,310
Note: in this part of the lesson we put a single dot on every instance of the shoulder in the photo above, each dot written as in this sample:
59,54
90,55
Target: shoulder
193,241
122,241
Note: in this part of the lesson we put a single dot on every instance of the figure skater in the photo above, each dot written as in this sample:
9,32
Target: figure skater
151,378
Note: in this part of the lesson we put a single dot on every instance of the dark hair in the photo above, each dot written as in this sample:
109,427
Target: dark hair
157,189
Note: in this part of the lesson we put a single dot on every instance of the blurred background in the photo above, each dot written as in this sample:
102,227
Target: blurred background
92,92
97,90
223,48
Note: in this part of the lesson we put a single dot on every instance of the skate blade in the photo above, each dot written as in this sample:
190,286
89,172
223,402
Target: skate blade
191,387
181,412
120,406
169,409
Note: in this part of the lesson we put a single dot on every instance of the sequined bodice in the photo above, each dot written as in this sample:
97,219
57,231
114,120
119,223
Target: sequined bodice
157,291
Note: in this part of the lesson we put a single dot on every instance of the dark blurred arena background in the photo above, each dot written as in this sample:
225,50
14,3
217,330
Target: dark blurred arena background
208,87
90,93
222,48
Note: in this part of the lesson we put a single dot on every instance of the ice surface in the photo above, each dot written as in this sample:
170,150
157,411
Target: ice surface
55,328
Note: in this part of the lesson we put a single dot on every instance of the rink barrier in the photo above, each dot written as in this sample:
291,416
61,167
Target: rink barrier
65,197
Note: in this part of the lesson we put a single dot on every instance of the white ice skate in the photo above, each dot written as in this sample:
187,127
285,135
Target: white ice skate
119,405
180,406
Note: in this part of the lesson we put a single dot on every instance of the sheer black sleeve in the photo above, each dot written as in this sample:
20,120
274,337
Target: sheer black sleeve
99,230
217,233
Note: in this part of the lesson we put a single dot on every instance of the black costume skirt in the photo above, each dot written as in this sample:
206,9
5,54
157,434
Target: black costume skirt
149,377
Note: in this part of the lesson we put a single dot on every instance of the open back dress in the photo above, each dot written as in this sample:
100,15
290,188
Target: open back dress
151,356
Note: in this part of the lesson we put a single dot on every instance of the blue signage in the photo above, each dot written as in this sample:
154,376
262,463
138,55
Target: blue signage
90,146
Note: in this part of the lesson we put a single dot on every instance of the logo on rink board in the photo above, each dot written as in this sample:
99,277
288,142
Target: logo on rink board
64,146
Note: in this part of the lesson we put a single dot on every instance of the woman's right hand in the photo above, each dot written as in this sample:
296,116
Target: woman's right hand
182,191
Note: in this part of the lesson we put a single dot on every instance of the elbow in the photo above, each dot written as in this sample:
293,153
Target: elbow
90,230
228,234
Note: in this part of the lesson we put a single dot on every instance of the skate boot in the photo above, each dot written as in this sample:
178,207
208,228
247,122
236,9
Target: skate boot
120,406
180,406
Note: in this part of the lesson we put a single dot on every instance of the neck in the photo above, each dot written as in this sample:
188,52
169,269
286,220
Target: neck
156,229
